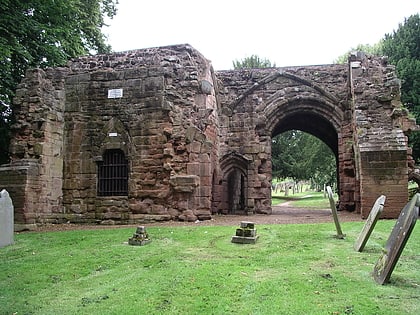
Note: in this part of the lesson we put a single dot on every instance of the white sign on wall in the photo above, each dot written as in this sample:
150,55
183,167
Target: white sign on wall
115,93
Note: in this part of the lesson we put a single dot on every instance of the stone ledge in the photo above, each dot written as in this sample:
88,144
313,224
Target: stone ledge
184,183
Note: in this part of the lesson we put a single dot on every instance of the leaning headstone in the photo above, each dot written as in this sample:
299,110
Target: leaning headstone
370,224
334,213
139,238
6,219
246,234
397,240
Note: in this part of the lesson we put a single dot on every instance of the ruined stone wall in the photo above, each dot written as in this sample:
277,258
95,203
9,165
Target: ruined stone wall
196,142
258,104
34,176
381,124
165,122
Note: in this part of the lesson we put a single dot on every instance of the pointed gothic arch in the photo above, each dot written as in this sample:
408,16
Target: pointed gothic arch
234,184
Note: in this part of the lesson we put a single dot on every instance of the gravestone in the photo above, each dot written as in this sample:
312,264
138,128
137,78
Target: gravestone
6,219
139,238
370,224
246,234
334,213
397,240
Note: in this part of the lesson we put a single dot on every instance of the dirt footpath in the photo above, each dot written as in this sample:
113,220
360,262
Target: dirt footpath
280,215
283,215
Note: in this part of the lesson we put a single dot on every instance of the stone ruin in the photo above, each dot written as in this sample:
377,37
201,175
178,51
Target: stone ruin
156,134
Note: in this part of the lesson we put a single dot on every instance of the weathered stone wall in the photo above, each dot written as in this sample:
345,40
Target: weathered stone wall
35,174
258,104
22,180
165,122
197,142
381,124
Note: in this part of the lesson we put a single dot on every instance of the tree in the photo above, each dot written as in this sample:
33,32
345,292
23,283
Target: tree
253,62
44,33
375,49
403,50
289,147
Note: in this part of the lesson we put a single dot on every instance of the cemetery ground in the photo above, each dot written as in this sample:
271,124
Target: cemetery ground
194,268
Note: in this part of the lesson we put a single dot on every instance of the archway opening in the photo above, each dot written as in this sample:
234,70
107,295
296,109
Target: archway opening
233,192
304,155
300,163
236,191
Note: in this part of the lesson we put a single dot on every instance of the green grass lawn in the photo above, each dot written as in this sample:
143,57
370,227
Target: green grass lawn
292,269
306,199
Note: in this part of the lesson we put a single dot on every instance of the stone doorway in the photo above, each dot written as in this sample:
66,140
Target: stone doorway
234,184
236,192
317,125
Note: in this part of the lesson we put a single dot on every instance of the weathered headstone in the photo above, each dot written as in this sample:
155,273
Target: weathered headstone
334,213
6,219
246,234
397,240
139,238
370,224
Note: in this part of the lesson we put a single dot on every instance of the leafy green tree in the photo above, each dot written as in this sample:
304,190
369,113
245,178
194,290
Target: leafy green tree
403,50
43,33
375,49
318,164
253,62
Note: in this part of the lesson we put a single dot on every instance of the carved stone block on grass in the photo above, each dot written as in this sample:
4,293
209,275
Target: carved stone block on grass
246,234
373,217
396,241
139,238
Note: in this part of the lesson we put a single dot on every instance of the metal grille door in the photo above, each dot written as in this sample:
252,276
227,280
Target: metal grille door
113,174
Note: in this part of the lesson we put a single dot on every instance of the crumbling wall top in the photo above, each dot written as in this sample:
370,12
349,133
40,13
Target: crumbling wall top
183,54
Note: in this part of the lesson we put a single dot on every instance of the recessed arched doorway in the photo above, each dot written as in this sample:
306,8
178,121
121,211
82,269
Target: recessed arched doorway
236,190
323,117
234,184
282,101
317,118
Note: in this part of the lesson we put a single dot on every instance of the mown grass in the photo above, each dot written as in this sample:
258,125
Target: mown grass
306,199
292,269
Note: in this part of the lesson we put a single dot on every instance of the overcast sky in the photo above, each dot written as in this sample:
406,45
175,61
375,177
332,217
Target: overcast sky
288,33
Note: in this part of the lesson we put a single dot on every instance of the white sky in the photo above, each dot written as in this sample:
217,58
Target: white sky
286,32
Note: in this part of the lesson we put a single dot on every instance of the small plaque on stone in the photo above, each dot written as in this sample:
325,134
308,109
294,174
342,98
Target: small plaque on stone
115,93
139,238
396,241
246,234
370,224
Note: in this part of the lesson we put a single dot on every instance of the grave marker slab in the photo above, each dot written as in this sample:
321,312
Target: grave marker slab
334,213
6,219
246,234
396,241
370,224
140,238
